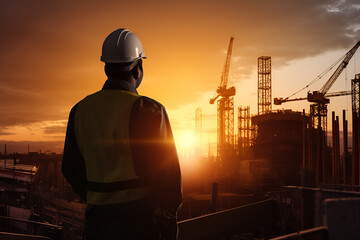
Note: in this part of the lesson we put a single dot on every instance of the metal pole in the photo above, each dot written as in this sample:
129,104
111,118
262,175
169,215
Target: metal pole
214,194
357,146
304,167
337,151
333,146
318,156
5,157
323,157
310,153
345,156
354,149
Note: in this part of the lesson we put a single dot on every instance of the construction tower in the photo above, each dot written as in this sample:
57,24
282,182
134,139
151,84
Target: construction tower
355,93
225,128
318,113
198,131
264,85
244,130
225,114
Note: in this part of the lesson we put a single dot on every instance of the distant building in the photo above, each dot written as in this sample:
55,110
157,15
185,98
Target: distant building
279,139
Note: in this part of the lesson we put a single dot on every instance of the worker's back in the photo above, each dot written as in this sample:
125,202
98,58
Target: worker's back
102,133
119,153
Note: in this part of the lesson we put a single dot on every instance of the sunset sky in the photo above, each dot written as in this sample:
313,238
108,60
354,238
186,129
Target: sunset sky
50,58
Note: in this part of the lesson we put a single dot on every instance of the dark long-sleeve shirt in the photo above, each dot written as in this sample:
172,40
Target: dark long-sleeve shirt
152,147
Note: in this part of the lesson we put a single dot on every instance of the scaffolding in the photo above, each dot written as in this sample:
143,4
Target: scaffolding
355,93
225,129
244,130
318,112
264,85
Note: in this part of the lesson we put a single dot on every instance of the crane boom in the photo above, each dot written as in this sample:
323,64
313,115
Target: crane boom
222,90
339,70
279,101
336,94
225,74
321,96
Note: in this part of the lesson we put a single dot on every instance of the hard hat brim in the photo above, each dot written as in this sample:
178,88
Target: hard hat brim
112,60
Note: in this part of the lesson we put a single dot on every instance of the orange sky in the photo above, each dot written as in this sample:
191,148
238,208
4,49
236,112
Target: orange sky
50,57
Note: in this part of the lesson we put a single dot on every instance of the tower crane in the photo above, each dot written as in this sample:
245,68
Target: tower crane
279,101
225,112
320,98
222,90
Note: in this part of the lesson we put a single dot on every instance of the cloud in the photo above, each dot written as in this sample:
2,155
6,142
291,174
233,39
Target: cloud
55,129
5,131
295,29
50,50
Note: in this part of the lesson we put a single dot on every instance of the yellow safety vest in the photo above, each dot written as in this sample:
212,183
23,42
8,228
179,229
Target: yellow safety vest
102,133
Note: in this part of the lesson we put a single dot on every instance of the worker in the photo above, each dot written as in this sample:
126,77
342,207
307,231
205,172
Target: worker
119,153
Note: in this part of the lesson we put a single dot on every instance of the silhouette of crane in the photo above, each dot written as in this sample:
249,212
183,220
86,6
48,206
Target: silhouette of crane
318,110
225,112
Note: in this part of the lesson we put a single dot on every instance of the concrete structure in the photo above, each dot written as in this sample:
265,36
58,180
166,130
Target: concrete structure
279,139
342,217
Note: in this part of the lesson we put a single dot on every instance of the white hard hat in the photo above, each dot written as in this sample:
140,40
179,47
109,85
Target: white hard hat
122,46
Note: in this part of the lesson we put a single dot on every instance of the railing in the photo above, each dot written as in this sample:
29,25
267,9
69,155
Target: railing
236,220
16,236
318,233
54,231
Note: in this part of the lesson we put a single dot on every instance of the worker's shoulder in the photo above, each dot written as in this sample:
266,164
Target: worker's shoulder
112,93
75,107
88,97
108,96
146,103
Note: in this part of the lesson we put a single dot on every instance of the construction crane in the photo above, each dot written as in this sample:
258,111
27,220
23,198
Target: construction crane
318,111
279,101
319,96
225,112
222,90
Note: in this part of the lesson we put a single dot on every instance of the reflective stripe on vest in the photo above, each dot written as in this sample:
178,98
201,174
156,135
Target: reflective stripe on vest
102,133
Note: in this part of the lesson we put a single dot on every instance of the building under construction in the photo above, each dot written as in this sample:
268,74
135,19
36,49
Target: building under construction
292,148
277,178
279,140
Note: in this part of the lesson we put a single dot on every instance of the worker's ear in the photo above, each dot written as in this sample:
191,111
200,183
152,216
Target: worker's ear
136,72
139,75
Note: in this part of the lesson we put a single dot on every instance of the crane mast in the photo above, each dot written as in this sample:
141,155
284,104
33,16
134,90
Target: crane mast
225,113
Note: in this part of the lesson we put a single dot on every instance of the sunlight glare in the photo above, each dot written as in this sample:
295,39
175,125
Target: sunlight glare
185,142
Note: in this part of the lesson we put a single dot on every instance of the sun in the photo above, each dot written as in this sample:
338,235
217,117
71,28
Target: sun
185,141
185,145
